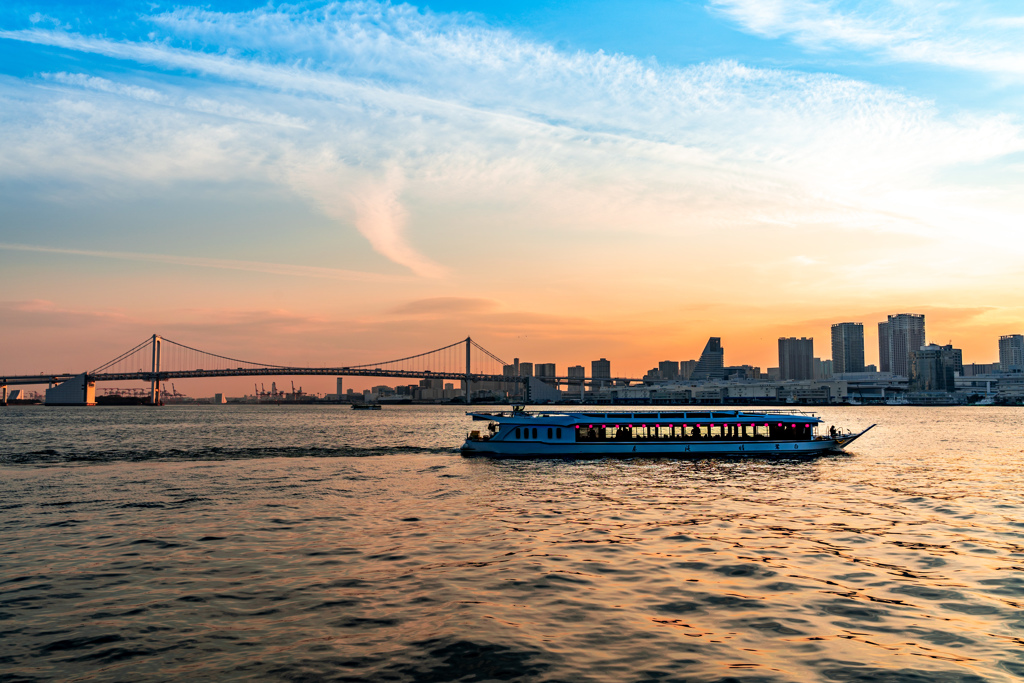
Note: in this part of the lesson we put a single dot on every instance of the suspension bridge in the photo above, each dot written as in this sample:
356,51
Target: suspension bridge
158,359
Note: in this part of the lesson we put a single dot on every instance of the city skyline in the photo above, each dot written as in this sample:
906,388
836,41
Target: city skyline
324,184
799,351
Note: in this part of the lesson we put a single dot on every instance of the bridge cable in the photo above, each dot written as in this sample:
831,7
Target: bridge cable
123,356
399,360
493,357
233,360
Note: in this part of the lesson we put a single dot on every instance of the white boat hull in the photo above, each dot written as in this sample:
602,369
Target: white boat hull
511,449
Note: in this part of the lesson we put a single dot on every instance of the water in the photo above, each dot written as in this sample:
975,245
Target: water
319,543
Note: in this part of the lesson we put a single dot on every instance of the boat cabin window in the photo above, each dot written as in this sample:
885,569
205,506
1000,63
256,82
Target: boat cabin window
725,431
517,432
549,432
535,432
558,433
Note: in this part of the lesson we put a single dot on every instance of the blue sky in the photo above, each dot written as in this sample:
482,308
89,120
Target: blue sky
842,159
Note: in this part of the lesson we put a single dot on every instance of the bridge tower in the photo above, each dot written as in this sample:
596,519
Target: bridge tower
154,382
469,343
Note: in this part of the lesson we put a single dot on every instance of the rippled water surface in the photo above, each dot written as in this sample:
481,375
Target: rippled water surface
319,543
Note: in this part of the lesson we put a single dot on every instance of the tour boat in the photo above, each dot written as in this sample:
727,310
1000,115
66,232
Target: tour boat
520,433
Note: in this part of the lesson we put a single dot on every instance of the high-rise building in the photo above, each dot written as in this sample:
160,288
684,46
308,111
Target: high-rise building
933,368
686,368
848,347
796,358
669,369
712,361
578,372
903,335
884,364
600,370
545,372
512,370
526,369
1011,353
957,358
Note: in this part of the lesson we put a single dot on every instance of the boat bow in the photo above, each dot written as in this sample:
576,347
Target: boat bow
843,442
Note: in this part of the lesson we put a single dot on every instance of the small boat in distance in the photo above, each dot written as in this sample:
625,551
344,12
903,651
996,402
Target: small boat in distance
653,433
365,406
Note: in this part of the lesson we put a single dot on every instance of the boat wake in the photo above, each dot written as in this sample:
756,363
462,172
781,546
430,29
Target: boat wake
59,457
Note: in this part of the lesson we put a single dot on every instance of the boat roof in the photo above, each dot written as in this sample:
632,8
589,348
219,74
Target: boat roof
695,415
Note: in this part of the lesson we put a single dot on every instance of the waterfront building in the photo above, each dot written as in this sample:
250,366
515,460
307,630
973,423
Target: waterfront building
340,390
653,375
600,372
669,369
975,369
796,358
902,335
933,368
848,347
577,372
1011,353
737,372
871,368
823,369
525,369
712,361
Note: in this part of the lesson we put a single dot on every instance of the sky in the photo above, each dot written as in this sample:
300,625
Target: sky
346,182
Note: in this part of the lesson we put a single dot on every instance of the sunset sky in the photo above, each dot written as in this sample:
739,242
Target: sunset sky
340,183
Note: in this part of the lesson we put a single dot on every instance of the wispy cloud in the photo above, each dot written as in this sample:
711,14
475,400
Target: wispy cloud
958,34
445,305
221,264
